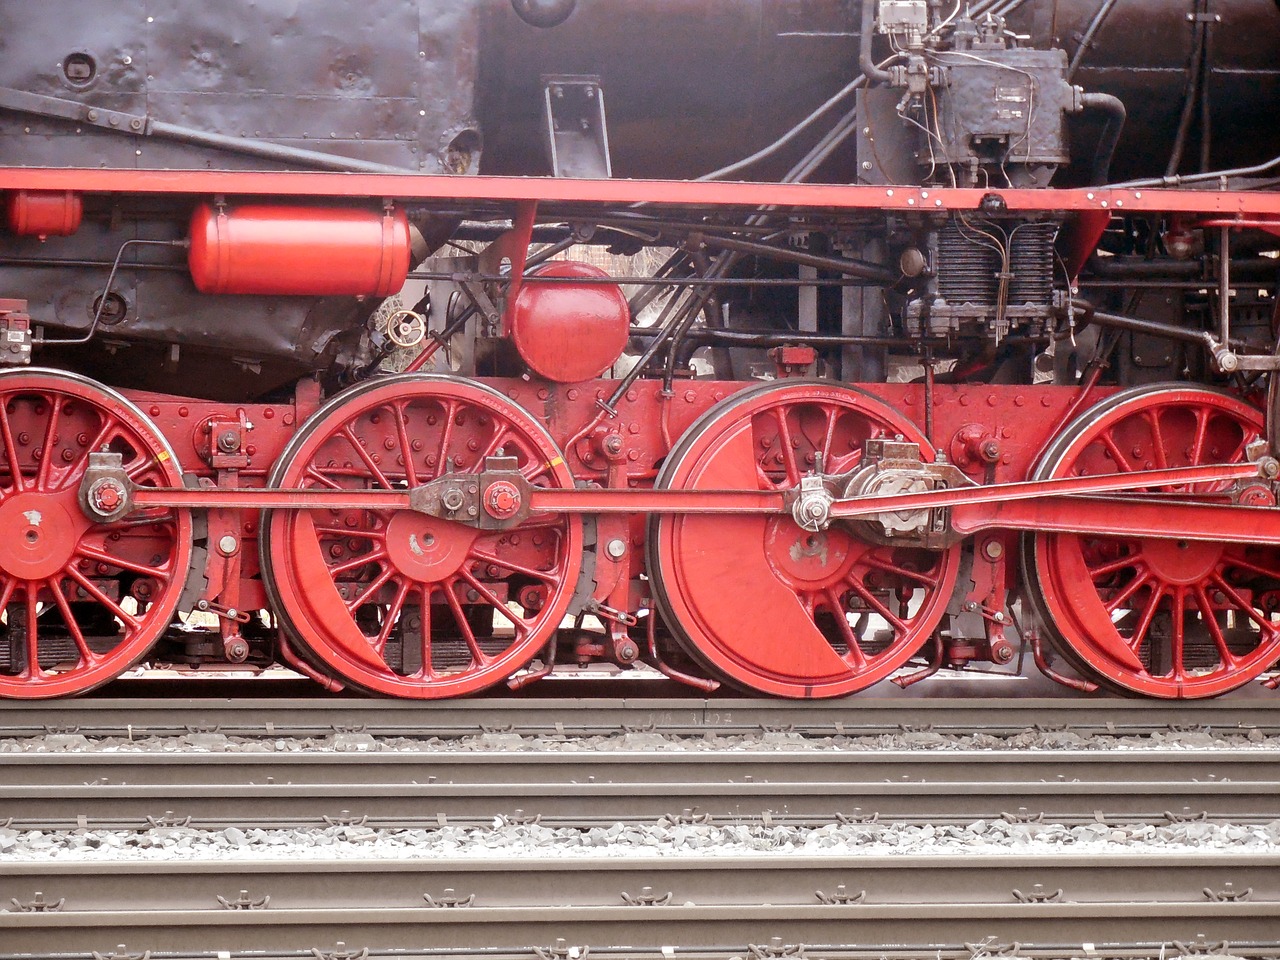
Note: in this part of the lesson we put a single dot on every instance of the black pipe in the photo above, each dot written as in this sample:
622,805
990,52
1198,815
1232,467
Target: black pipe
1260,269
853,268
1114,108
1166,330
866,63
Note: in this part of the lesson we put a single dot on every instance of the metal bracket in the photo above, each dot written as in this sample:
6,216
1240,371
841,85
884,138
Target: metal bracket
577,132
646,898
560,950
38,904
15,333
842,897
449,900
244,902
340,952
1228,895
1038,895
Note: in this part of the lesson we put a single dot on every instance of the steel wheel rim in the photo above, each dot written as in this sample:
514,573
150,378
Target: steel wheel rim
294,544
836,654
1167,619
100,590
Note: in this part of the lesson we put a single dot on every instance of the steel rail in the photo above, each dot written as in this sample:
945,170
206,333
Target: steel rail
140,708
1174,917
548,765
587,789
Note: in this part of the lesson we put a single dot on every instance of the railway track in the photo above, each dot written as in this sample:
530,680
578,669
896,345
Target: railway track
582,789
142,709
644,904
562,905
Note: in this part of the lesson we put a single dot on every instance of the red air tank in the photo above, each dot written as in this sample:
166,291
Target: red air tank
568,332
307,251
43,213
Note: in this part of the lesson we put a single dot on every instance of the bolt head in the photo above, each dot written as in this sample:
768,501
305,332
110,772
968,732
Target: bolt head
228,545
616,549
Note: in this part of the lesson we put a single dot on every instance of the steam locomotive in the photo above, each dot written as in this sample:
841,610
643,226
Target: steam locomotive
934,333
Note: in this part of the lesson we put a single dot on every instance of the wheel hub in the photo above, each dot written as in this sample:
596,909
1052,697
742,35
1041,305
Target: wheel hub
425,548
41,535
1181,562
808,559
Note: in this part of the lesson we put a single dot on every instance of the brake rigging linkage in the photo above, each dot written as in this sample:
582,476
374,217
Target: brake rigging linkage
894,497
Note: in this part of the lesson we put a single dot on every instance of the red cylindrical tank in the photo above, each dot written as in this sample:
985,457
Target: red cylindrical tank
307,251
44,213
568,332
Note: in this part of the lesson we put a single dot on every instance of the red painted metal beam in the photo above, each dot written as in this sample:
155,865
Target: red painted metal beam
411,187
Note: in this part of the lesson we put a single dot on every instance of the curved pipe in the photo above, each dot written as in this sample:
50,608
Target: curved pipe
544,13
1114,108
865,61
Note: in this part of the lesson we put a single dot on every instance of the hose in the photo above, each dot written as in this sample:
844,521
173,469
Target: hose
1114,108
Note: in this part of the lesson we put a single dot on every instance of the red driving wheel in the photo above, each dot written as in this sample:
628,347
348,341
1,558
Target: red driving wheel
1177,619
764,603
399,602
83,600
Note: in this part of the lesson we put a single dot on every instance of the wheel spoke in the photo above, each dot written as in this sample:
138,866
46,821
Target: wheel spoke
87,656
1139,635
1177,633
89,587
786,449
1241,563
101,556
367,457
1210,618
1159,454
323,479
880,608
855,657
829,437
1202,430
1138,582
11,449
871,560
446,435
519,624
1264,625
478,659
107,432
50,433
355,563
543,575
1121,462
406,448
1122,563
424,632
390,616
368,594
32,670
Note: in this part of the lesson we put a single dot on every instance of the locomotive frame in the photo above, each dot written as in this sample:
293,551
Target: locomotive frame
428,534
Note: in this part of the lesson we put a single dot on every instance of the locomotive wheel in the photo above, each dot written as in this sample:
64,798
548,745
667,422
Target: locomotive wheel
1177,619
765,603
83,601
399,602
